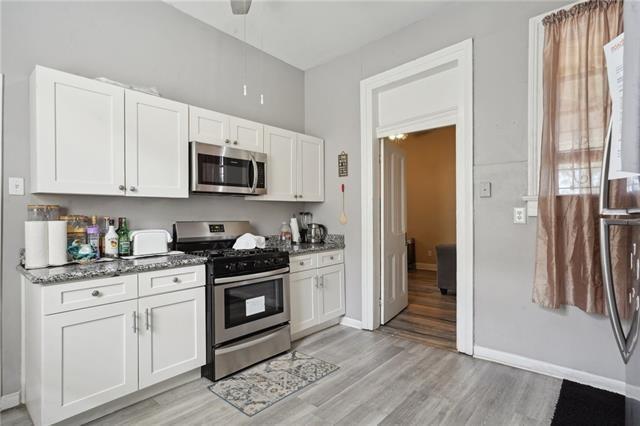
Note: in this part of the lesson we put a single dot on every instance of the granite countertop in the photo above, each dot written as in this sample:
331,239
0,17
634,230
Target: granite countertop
332,242
75,272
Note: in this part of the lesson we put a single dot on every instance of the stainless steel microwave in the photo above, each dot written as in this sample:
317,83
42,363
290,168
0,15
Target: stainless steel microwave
223,170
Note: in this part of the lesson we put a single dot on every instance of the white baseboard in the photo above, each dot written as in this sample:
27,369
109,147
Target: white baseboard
426,266
9,401
350,322
549,369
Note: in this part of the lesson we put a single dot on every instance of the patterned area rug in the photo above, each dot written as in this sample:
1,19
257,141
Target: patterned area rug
259,387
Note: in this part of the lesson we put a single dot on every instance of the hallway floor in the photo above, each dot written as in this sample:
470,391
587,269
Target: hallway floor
382,379
430,317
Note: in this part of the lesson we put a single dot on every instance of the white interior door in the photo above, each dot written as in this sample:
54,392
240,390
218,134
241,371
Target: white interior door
394,292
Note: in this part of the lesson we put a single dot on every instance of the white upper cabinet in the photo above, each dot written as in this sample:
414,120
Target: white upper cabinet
310,163
89,137
280,147
221,129
77,135
245,134
295,166
208,126
157,146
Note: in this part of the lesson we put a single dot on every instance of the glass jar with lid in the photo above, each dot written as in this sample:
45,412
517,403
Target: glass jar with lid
36,212
52,212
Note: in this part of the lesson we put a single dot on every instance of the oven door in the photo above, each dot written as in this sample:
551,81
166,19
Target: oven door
250,303
220,169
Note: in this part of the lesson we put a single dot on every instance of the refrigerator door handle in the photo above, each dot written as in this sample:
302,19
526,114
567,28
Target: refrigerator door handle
614,314
626,344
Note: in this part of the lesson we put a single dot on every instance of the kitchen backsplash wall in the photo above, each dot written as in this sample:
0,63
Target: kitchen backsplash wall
142,43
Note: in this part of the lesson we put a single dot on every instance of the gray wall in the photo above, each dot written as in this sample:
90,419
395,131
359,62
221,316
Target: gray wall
505,317
145,43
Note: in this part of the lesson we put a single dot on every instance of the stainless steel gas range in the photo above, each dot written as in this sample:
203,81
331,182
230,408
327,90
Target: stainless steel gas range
247,296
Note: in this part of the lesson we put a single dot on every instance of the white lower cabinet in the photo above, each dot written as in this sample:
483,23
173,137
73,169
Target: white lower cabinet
172,335
317,296
303,291
331,283
91,357
87,356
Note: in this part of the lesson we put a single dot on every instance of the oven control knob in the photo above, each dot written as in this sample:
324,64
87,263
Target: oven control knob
242,266
230,267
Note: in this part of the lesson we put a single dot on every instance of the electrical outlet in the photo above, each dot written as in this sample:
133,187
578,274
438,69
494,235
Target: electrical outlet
520,215
16,186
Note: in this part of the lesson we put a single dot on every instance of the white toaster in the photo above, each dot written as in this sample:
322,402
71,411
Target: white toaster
149,241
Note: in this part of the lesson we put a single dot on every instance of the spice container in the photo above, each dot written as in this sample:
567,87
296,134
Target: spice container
52,212
36,213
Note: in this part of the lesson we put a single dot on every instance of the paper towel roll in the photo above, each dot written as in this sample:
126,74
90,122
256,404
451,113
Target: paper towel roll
35,244
57,234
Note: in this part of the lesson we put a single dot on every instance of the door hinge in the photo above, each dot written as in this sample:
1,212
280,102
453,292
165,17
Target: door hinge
379,302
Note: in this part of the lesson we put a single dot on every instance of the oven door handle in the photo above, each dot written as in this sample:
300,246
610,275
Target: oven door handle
254,185
254,341
242,279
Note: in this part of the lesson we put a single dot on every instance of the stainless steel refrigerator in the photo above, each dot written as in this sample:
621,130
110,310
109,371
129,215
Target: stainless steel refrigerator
620,224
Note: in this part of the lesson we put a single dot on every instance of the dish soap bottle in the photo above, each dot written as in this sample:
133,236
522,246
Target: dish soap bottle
124,245
111,240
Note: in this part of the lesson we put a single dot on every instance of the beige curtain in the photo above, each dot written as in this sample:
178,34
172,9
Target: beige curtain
577,109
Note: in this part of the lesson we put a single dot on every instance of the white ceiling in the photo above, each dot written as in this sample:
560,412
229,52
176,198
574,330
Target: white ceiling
307,33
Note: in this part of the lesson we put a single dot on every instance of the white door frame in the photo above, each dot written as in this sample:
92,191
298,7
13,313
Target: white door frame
461,55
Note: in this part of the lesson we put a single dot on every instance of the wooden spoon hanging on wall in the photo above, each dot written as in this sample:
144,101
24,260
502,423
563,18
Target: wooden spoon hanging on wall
343,215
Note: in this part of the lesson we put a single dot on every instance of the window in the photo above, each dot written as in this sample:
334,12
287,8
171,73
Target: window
536,46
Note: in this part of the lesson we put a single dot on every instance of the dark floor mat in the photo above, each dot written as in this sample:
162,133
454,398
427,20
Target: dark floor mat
584,405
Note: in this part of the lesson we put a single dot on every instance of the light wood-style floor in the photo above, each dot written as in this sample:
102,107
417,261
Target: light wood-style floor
382,379
430,317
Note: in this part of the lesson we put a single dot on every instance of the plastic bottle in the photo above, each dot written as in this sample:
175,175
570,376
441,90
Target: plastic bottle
111,241
285,233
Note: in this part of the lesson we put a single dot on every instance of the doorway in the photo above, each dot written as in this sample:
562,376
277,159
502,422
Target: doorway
433,91
418,250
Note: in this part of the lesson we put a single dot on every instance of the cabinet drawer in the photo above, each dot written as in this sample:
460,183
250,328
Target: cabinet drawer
84,294
303,262
163,281
330,258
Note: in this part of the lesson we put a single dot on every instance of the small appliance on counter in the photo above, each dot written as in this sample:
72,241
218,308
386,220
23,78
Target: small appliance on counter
247,296
316,233
149,241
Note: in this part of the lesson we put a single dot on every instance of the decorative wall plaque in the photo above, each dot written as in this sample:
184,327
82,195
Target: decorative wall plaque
343,164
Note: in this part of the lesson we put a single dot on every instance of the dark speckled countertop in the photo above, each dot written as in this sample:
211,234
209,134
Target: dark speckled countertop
332,242
61,274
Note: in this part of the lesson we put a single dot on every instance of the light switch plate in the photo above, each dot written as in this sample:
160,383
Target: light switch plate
520,215
485,189
16,186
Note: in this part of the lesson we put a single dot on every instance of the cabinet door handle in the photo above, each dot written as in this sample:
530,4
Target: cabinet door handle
121,187
227,141
321,282
176,279
301,263
95,293
132,188
235,142
147,314
315,281
331,257
135,322
295,196
300,196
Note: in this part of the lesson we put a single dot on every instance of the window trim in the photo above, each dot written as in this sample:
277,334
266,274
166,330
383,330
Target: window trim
535,110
